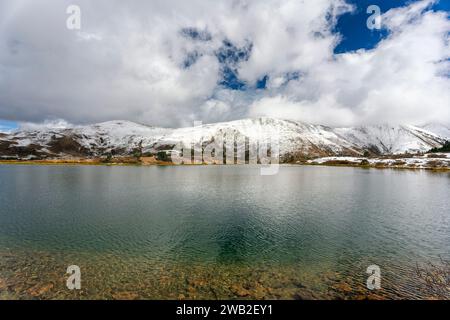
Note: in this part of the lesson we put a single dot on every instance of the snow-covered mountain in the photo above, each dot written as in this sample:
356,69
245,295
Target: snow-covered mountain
439,129
296,139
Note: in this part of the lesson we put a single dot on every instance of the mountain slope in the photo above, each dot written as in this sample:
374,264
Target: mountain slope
385,139
296,139
438,129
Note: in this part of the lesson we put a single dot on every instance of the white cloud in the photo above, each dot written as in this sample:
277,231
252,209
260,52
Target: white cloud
400,81
86,36
323,111
127,63
47,124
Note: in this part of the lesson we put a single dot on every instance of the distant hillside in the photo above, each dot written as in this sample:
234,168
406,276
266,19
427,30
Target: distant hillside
297,140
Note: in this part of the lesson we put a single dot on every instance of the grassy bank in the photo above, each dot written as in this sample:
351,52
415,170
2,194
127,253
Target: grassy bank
99,162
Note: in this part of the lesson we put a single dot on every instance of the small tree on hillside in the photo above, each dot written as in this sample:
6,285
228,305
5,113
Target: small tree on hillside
138,151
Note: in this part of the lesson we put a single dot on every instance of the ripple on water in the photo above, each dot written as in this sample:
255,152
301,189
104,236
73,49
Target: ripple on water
207,233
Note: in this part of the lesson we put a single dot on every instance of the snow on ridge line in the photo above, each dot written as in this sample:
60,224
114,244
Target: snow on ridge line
294,135
62,124
438,129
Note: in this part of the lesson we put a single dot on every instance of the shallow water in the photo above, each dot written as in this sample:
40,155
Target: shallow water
219,232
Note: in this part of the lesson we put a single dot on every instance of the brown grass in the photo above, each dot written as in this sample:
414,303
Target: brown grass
433,155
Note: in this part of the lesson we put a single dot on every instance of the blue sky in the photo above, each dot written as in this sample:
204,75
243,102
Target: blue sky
362,38
221,62
6,125
353,38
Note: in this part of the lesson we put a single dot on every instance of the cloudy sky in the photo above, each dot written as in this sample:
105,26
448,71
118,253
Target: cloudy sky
171,62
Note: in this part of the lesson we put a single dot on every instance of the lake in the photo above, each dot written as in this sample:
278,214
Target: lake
219,232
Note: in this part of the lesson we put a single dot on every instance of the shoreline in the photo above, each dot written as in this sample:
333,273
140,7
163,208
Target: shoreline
95,162
439,169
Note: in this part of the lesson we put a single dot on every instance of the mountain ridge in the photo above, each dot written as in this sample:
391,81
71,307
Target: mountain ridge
297,140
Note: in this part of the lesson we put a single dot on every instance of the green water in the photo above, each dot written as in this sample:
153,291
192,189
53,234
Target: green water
221,232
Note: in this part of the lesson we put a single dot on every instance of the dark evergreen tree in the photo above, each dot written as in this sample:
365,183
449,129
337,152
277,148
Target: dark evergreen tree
444,148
